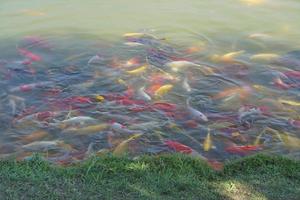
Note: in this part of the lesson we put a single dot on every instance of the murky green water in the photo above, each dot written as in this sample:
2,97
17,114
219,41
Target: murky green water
49,74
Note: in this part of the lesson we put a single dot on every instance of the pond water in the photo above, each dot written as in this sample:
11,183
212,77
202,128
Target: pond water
214,79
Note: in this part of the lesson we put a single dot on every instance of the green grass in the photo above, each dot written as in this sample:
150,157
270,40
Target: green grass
152,177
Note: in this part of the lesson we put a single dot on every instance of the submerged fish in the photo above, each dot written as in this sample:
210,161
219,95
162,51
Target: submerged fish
181,148
264,57
28,54
143,95
79,120
138,70
31,86
87,130
228,57
36,135
163,90
195,114
186,85
45,146
242,149
180,64
123,146
207,144
289,102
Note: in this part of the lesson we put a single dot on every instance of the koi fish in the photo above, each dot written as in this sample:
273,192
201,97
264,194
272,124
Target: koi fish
43,146
220,125
207,144
242,149
163,90
176,65
138,35
95,60
143,95
228,57
79,120
282,85
259,35
195,114
77,99
294,123
36,117
178,147
164,106
288,102
36,135
29,55
99,98
123,146
257,140
132,62
31,86
242,92
133,44
264,57
137,71
86,130
117,127
186,85
290,141
293,74
193,49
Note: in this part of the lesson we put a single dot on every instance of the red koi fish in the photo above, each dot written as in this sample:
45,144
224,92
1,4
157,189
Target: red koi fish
77,99
295,123
127,102
293,74
42,116
164,106
29,55
242,149
178,147
29,87
282,85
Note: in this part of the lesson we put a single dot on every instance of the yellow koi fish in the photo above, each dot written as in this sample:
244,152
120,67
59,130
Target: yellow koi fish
138,70
257,140
264,57
290,141
123,146
87,130
163,90
99,98
207,144
288,102
228,57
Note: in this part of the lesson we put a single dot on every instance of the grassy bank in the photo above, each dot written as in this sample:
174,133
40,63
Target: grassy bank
160,177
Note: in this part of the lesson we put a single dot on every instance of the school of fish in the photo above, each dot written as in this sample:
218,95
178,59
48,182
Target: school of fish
146,95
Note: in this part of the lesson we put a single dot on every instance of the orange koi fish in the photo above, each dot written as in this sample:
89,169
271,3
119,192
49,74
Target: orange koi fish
243,92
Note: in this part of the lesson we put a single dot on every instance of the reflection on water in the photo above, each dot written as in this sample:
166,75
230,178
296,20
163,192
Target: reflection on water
214,84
